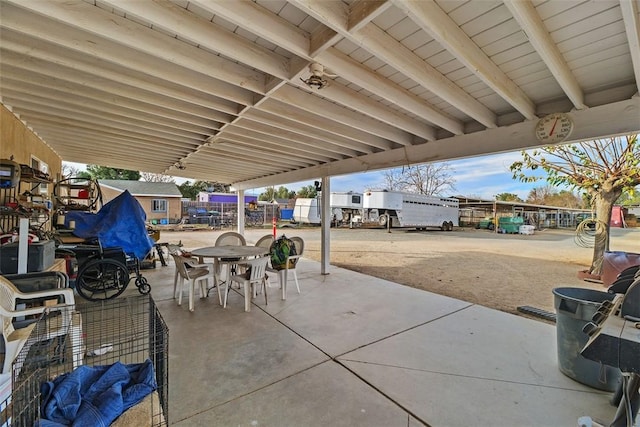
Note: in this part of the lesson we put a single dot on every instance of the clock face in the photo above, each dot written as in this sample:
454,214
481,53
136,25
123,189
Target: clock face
554,128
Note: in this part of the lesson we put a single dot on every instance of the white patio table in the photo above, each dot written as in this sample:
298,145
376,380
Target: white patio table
229,252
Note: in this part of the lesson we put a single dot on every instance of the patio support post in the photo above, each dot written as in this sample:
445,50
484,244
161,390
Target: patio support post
325,231
241,211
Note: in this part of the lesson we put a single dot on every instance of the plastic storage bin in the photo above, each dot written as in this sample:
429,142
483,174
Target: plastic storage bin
41,255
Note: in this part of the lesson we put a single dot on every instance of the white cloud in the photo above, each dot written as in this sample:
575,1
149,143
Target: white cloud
482,167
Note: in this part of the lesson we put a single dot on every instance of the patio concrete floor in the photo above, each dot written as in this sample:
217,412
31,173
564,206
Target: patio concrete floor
354,350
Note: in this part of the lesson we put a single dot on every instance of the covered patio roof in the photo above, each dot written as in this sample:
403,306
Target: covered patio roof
223,90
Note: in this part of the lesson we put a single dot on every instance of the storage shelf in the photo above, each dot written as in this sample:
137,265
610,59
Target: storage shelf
38,215
75,194
35,180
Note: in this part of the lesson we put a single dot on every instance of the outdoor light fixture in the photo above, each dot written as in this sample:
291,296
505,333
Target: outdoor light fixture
316,80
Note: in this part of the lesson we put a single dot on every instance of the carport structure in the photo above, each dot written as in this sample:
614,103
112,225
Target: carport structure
222,90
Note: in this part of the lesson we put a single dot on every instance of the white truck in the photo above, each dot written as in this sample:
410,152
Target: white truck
399,209
346,208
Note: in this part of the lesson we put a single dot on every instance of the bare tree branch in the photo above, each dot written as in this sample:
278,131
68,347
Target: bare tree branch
429,179
155,177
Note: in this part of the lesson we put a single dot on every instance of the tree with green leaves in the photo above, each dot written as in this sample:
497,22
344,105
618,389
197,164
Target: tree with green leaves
629,198
508,197
307,192
282,193
103,172
190,191
603,169
430,179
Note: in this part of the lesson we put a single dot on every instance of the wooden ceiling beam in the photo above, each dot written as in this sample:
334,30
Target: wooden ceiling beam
100,129
309,145
259,141
631,17
89,71
382,45
176,19
432,19
375,83
337,143
53,107
530,22
359,138
98,33
303,100
81,102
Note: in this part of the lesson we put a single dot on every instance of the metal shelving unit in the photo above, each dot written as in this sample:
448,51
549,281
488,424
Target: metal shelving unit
76,194
20,201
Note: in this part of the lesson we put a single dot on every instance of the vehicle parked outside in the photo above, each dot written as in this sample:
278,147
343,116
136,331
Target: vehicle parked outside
487,223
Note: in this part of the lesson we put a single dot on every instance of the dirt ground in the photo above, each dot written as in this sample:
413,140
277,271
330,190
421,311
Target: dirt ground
494,270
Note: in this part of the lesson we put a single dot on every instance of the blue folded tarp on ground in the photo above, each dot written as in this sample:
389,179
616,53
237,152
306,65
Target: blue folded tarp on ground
120,223
95,395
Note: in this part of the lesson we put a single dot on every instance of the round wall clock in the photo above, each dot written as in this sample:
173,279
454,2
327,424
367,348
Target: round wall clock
554,128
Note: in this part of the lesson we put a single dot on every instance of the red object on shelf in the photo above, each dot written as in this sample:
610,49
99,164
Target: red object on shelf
83,194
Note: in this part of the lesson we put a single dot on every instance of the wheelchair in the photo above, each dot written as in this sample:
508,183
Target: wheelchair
105,273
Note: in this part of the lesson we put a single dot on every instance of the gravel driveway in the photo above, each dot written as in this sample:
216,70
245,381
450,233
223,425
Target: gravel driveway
500,271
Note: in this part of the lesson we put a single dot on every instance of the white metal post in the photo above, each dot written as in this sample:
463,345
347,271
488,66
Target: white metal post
325,240
23,245
241,211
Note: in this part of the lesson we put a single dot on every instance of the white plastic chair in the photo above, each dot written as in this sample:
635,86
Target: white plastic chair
265,241
229,238
175,250
199,273
283,274
256,270
15,339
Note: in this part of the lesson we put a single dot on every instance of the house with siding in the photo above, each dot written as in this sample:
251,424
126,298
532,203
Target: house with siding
161,201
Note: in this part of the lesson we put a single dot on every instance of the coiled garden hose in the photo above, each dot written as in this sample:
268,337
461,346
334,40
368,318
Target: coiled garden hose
589,232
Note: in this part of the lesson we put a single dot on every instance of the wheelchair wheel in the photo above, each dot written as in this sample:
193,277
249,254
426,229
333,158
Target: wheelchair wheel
101,279
143,286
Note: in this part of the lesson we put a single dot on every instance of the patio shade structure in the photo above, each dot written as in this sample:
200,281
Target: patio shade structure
256,93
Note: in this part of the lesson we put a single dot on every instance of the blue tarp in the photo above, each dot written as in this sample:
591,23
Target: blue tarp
120,223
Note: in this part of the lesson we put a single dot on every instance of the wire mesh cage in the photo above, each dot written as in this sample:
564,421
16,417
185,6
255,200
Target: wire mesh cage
120,335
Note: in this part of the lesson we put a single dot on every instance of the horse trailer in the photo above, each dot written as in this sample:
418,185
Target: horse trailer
399,209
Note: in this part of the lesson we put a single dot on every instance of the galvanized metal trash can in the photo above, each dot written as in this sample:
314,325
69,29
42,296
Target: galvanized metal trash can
574,309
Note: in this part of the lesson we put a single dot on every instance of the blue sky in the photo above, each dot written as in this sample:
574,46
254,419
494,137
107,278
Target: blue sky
482,177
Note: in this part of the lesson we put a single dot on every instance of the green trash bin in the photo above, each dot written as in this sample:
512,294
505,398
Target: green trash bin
510,224
574,309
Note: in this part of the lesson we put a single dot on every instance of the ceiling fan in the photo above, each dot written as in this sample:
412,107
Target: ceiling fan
317,78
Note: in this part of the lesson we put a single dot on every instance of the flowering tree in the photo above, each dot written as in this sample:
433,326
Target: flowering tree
602,169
